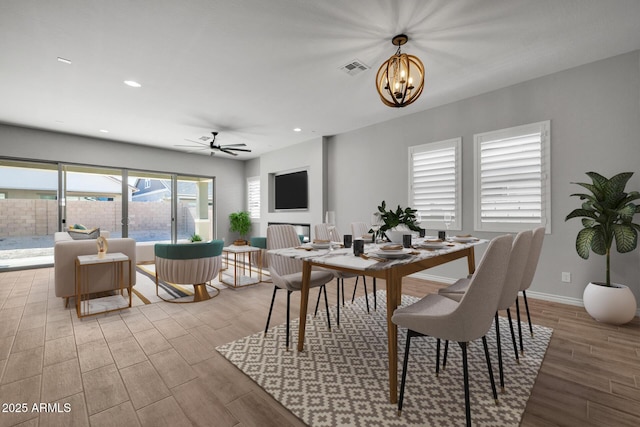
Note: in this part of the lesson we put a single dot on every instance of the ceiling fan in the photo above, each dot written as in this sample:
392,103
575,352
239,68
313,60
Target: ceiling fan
211,145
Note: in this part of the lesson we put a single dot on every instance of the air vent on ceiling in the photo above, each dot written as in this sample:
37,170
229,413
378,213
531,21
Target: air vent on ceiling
354,67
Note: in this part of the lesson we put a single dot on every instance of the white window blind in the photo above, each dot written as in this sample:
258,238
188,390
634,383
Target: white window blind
253,197
435,183
512,185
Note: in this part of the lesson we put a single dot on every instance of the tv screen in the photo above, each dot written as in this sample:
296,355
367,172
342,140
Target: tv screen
291,190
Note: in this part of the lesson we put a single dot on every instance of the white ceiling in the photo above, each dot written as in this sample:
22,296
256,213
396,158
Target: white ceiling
255,69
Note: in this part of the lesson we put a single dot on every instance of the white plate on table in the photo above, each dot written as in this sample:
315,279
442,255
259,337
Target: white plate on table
464,239
392,254
320,245
433,245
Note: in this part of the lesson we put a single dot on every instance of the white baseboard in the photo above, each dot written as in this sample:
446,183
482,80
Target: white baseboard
530,294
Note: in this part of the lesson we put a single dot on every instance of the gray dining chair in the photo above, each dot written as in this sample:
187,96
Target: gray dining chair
517,262
527,278
443,318
323,232
286,273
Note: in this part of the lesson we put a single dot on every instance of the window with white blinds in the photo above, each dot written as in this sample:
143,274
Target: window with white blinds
253,197
435,184
512,182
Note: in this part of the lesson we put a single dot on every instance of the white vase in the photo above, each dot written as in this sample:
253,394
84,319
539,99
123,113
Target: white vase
613,304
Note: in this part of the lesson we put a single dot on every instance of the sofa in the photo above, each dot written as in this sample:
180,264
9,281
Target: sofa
65,251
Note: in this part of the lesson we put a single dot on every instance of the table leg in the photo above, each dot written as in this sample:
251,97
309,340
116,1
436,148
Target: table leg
304,302
471,260
393,287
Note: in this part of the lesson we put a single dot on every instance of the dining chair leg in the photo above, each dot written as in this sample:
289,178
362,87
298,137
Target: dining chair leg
444,357
343,291
499,344
405,363
486,355
288,315
326,305
339,283
366,294
519,326
513,336
465,369
353,296
437,357
315,312
273,298
526,305
375,296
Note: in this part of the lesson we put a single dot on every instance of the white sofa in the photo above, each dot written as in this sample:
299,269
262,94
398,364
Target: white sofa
64,257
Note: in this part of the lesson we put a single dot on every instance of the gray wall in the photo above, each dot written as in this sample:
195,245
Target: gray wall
229,175
595,126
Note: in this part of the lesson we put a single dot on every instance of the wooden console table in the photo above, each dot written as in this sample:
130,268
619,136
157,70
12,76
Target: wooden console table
85,305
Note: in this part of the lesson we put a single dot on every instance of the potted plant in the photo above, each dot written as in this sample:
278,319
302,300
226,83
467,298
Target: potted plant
397,222
240,222
607,214
195,238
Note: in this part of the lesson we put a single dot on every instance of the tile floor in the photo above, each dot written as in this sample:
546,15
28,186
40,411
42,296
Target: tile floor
145,366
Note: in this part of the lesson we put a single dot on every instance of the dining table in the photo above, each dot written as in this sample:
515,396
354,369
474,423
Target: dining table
375,262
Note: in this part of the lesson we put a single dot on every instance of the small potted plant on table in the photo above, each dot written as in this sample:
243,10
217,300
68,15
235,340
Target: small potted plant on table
240,222
398,222
607,215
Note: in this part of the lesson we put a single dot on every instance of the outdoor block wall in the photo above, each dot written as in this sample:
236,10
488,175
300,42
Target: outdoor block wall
35,217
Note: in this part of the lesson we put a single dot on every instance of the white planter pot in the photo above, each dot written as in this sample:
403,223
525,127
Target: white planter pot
615,305
395,235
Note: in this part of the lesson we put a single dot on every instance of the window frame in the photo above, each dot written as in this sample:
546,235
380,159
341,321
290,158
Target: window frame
251,180
544,128
456,144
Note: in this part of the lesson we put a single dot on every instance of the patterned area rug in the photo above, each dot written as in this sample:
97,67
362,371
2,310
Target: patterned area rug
341,378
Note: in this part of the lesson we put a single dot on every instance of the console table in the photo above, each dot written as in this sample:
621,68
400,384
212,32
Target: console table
85,305
241,265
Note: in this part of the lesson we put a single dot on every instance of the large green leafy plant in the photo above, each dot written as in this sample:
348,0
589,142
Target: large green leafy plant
392,219
607,215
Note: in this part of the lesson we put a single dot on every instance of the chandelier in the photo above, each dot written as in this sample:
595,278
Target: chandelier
400,79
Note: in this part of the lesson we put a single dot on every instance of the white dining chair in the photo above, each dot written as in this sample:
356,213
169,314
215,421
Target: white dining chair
324,232
527,278
358,230
517,262
286,273
443,318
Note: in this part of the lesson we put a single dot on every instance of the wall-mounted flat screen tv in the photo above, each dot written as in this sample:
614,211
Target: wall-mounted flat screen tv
291,190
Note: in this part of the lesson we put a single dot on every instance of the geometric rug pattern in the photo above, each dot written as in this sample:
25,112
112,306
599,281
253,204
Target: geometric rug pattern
341,379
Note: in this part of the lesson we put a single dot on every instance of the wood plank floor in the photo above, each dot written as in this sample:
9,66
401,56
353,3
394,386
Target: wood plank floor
156,365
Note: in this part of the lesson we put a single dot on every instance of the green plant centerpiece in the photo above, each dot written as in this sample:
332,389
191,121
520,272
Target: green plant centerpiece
240,222
399,218
607,213
195,238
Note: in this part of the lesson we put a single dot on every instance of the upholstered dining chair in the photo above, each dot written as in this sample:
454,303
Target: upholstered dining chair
443,318
527,278
322,232
286,272
517,262
188,264
359,229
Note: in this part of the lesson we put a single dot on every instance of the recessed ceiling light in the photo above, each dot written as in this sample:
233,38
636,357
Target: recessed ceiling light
132,83
297,130
64,60
104,131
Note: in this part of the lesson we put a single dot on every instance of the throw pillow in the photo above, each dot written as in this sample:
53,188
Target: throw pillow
84,234
79,227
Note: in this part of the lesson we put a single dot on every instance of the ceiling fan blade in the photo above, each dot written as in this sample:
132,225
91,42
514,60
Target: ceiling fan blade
238,149
234,145
206,144
224,150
